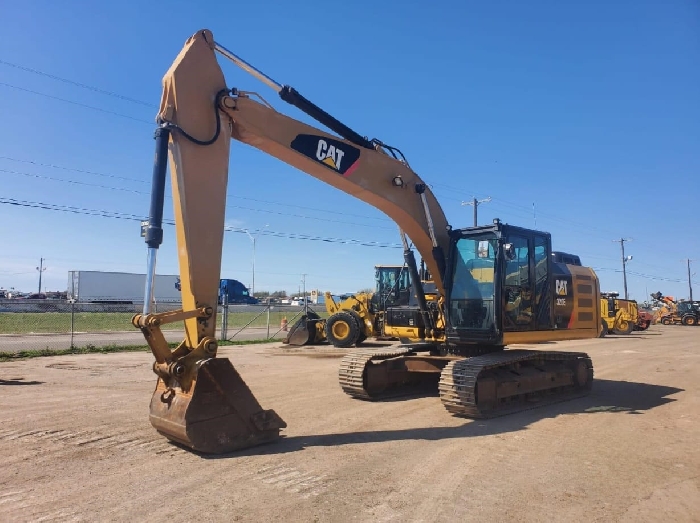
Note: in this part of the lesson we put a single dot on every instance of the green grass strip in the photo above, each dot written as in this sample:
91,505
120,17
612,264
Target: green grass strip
91,349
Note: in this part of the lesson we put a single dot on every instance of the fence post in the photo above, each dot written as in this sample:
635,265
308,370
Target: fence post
268,318
224,324
72,321
72,307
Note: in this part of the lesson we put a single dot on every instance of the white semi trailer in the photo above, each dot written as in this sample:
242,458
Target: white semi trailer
119,287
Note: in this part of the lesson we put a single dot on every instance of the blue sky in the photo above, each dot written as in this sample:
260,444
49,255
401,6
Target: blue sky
589,111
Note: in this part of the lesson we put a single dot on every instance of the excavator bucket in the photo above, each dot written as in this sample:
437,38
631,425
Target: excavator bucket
218,414
307,330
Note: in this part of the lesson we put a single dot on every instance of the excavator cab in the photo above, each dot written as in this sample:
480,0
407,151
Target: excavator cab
503,287
483,264
491,261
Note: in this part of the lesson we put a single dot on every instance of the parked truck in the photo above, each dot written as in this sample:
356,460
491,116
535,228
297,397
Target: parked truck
234,292
119,287
231,292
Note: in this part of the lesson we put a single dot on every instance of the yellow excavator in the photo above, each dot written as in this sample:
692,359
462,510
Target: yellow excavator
496,285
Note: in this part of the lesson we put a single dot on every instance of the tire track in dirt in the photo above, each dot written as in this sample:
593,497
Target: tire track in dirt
293,480
92,439
22,502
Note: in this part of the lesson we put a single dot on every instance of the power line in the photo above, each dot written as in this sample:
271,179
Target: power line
232,196
584,227
73,169
133,217
258,200
77,84
76,103
527,210
105,175
76,182
641,275
134,191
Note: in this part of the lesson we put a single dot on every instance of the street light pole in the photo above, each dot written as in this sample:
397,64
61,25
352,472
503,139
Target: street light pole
253,238
306,304
625,259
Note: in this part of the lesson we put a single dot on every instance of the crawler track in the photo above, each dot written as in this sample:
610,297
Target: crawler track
352,369
459,381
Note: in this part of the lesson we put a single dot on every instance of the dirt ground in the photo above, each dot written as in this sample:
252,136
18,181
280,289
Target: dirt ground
76,445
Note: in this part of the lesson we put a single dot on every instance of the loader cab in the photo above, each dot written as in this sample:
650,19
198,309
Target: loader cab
609,303
392,286
498,280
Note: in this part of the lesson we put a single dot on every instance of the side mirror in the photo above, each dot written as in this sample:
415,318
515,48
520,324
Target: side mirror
509,251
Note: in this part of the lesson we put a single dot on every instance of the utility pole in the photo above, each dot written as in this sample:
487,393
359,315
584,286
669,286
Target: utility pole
41,269
625,259
476,204
690,285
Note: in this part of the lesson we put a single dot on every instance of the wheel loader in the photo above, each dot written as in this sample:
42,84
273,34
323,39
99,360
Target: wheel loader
355,317
495,285
618,316
684,313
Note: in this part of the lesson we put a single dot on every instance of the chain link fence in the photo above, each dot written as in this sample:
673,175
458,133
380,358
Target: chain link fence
60,324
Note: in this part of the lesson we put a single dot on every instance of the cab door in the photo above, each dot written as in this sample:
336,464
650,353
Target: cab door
527,283
518,285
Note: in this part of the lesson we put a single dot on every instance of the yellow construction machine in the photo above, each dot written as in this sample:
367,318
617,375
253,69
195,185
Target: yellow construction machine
496,284
618,316
353,318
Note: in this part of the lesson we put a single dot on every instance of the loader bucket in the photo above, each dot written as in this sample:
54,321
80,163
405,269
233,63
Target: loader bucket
305,331
218,414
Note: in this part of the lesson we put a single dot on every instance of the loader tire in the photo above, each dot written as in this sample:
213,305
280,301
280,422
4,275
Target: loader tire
666,321
625,328
342,330
689,320
360,326
604,331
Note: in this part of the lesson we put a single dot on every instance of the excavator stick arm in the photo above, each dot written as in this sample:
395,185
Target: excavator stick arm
199,401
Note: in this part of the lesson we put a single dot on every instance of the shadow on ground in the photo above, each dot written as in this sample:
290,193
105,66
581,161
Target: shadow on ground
19,381
622,397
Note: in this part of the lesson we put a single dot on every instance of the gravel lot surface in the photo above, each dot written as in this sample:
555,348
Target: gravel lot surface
76,445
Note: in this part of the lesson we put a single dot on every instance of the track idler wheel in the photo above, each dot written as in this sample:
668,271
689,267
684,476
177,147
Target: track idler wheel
218,414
